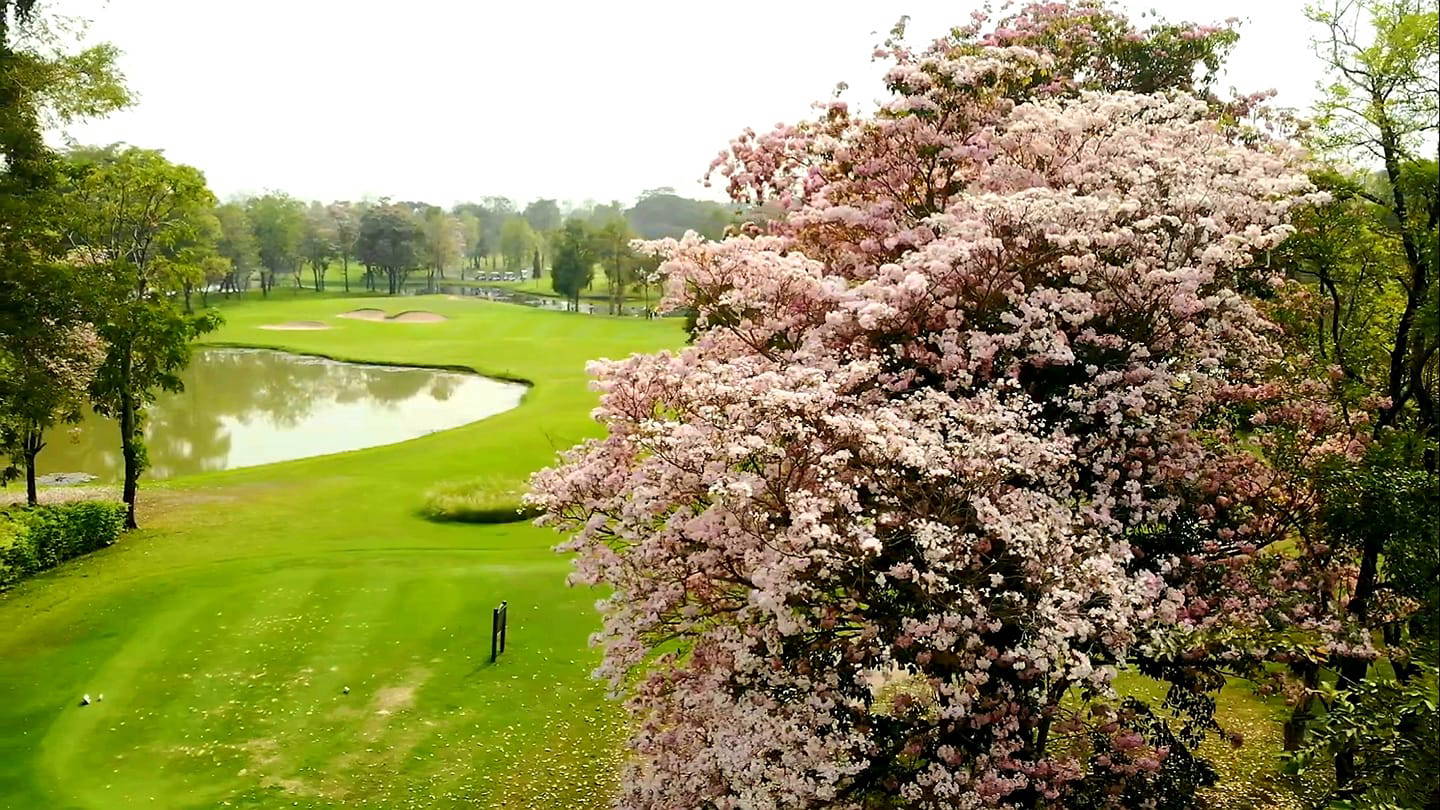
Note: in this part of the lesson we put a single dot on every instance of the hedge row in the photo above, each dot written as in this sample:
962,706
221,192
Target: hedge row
478,500
32,540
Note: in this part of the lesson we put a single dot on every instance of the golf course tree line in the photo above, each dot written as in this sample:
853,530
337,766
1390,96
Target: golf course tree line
1058,368
582,245
275,238
102,249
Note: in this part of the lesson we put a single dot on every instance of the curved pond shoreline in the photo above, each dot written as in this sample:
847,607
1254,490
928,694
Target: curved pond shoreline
247,405
355,361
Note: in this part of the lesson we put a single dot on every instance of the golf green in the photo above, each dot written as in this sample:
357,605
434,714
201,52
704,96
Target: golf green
296,635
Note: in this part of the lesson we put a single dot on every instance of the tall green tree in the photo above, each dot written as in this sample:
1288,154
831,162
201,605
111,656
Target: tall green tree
1380,104
572,265
345,220
48,351
494,212
543,215
442,241
472,239
46,366
128,211
319,243
279,224
41,83
238,245
193,260
390,242
517,239
612,249
1369,257
1379,254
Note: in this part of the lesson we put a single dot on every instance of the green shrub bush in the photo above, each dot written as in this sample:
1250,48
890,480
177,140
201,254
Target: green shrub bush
32,540
478,500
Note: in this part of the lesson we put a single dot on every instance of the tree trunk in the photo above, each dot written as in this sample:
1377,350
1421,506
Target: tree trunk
1300,717
345,271
129,444
34,443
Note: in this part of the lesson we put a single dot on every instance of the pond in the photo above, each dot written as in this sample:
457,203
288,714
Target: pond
243,407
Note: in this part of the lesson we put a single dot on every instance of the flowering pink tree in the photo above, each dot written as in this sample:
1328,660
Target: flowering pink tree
944,451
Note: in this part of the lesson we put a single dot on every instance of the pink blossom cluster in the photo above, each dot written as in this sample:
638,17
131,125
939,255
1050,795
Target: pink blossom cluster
75,351
888,510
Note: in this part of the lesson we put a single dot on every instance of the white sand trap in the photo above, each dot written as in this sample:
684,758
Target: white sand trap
295,326
418,316
365,314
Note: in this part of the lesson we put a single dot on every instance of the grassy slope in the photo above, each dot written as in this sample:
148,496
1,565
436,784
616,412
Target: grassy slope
222,634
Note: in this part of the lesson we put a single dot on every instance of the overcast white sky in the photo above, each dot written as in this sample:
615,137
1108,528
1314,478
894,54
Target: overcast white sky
443,101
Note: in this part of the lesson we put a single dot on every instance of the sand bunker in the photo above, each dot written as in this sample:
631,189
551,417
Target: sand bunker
418,316
365,314
411,316
295,326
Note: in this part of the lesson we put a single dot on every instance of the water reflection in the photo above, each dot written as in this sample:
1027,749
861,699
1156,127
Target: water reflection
243,407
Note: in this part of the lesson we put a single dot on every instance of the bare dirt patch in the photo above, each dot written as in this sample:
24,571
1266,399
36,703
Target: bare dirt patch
393,699
296,326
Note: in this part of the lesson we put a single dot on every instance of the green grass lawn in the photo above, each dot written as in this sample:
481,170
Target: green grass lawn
223,633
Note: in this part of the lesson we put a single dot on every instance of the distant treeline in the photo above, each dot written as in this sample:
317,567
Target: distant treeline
272,236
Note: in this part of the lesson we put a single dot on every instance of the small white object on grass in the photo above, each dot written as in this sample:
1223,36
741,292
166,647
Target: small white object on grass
345,691
100,698
85,700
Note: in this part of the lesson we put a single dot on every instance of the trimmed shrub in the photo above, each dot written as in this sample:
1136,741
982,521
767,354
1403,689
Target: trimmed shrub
32,540
477,500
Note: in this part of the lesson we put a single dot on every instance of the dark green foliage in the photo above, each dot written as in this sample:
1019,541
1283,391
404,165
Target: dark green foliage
389,241
543,215
278,225
238,244
610,243
573,264
1394,503
661,213
133,218
34,539
1392,729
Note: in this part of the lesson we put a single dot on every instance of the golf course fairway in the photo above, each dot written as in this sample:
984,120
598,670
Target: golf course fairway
296,635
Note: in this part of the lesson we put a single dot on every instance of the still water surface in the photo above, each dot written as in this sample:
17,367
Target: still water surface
243,407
